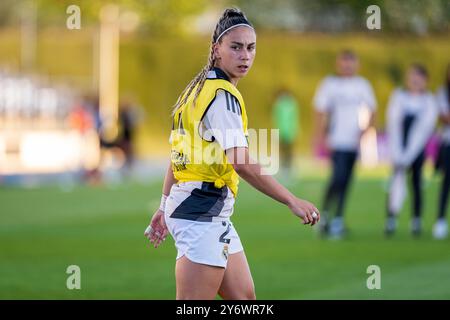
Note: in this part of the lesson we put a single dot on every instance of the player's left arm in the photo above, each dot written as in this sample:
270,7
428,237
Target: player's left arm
371,123
371,102
252,172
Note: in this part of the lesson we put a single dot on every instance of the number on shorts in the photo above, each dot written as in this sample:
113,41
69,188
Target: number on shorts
222,236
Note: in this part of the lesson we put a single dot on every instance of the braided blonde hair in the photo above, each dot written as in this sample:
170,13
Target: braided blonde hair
229,18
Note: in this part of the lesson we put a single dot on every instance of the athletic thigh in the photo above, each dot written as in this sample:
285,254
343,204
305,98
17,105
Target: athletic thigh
237,283
197,281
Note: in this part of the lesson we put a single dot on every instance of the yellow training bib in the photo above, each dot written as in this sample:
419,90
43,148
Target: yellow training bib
194,158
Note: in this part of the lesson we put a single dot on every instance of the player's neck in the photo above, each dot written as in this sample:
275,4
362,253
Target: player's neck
346,76
230,78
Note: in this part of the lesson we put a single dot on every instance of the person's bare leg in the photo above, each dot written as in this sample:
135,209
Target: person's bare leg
237,283
197,281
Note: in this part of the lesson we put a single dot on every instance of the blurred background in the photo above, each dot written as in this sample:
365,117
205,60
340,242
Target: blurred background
84,126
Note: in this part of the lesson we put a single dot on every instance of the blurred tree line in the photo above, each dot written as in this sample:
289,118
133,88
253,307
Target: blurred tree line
172,16
170,44
411,16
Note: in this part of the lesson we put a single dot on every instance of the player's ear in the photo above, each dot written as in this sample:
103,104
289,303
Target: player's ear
216,53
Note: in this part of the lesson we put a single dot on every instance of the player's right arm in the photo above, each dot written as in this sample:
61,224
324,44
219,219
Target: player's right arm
320,136
169,180
322,103
251,172
157,231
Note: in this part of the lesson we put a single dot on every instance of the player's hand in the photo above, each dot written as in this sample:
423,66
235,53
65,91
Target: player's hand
304,210
157,231
323,145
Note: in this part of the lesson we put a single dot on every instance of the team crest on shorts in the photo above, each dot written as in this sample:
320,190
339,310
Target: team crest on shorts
225,252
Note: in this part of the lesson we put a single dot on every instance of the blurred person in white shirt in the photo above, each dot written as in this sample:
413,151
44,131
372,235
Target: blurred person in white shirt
411,120
338,102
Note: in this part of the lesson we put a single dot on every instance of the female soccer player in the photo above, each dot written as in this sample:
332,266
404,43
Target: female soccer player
200,186
411,119
440,229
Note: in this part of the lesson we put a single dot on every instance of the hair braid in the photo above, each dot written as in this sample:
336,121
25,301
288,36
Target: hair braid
198,80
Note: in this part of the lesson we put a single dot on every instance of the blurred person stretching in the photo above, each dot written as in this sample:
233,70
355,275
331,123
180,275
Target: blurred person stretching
199,195
339,101
411,119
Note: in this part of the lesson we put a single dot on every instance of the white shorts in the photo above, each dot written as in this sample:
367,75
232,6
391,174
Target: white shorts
201,230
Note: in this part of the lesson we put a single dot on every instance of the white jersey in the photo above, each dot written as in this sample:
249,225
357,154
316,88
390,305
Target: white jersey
223,124
422,109
442,99
344,99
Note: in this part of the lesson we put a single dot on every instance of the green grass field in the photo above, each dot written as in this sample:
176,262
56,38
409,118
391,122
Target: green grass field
44,230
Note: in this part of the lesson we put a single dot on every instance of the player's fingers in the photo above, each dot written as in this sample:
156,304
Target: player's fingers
163,222
314,216
305,219
153,236
154,241
156,224
161,239
158,229
318,214
156,237
316,210
164,233
151,232
147,231
158,242
308,214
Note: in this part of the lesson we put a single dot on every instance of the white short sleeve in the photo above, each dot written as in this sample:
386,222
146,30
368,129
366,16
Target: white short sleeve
442,101
322,99
369,97
223,122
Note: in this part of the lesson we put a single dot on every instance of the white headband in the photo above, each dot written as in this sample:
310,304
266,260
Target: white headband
232,27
